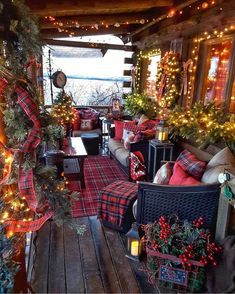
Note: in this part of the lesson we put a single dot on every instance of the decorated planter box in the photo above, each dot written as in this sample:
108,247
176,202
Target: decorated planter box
169,272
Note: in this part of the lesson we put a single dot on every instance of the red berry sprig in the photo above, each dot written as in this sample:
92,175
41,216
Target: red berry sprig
165,229
199,222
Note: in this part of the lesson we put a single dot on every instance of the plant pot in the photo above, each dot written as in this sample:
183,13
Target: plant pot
169,272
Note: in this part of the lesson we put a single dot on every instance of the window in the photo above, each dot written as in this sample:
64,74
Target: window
232,99
216,71
152,75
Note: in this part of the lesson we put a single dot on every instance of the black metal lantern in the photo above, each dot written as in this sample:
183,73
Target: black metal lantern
133,243
162,131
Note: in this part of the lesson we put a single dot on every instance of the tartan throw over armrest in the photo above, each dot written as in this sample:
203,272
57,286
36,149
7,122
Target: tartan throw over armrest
115,200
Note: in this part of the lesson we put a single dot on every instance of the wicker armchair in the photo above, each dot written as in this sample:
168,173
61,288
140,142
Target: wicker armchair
188,202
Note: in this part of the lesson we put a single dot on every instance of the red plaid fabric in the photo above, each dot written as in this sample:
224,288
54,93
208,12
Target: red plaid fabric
26,187
19,226
3,84
99,172
30,107
189,163
133,128
115,200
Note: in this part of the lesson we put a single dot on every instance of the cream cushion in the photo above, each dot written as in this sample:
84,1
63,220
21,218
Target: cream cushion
163,175
223,157
210,176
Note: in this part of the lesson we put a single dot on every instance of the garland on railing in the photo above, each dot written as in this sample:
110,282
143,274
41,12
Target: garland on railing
205,124
27,187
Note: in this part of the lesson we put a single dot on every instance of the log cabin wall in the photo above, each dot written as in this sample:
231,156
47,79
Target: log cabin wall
192,23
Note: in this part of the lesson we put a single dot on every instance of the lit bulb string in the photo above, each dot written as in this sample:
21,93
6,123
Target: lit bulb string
61,26
207,35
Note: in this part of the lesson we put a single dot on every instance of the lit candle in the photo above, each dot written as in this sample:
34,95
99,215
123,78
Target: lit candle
135,248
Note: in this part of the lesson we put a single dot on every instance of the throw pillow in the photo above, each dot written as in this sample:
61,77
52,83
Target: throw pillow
86,125
189,163
180,177
225,156
210,176
118,129
163,175
137,166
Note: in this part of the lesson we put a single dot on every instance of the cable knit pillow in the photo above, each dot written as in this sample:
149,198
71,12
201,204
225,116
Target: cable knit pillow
190,164
163,175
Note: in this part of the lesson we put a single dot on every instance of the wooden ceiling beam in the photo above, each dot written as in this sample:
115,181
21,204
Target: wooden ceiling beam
122,30
74,7
107,19
89,45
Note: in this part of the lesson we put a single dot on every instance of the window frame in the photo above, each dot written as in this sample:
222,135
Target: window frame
202,59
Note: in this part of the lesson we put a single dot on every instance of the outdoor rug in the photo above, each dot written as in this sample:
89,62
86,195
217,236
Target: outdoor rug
99,171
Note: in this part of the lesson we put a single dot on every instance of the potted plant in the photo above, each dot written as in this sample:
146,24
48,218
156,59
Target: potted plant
178,251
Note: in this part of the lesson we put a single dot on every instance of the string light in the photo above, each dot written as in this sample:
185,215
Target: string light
61,25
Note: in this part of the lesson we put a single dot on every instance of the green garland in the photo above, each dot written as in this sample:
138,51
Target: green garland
21,45
141,104
205,124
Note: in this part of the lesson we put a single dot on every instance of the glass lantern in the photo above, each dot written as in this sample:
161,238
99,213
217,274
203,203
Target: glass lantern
162,131
133,243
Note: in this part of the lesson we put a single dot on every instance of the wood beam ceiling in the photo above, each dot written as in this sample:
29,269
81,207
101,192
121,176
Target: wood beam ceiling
120,31
84,7
89,45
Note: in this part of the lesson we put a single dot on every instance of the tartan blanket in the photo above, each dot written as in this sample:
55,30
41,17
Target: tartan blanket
115,200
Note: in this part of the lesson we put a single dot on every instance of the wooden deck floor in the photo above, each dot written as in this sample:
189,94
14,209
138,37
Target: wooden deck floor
92,263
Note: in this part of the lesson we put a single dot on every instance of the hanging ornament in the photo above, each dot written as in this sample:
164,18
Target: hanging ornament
142,21
184,84
117,25
96,26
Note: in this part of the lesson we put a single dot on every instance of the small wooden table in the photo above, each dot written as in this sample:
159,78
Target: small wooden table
75,149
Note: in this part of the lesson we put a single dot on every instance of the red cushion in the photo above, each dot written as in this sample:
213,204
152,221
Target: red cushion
118,129
189,163
180,177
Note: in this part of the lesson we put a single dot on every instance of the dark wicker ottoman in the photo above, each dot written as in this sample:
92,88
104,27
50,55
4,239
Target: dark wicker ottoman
91,143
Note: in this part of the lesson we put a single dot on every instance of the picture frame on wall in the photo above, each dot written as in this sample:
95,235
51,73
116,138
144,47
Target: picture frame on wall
177,46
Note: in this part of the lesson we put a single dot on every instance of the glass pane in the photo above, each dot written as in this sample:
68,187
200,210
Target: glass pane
152,75
232,99
217,71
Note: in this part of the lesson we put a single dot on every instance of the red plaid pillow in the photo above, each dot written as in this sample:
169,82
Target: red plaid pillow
189,163
131,127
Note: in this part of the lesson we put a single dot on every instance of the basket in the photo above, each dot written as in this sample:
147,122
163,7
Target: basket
169,272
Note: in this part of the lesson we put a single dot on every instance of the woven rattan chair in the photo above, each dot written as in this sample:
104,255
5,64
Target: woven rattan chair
188,202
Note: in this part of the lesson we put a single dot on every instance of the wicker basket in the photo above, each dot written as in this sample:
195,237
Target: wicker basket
169,272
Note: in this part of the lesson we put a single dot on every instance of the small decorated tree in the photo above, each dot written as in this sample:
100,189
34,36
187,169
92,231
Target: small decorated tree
62,109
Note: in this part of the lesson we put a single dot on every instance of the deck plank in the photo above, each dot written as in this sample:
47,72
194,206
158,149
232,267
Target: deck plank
42,243
56,277
107,269
73,267
127,279
91,271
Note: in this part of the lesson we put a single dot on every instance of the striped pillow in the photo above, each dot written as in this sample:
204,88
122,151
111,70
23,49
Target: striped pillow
189,163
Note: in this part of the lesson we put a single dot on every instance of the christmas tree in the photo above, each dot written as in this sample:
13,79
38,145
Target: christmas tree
62,110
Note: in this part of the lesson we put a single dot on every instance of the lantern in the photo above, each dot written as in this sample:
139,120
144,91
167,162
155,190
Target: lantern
162,131
133,243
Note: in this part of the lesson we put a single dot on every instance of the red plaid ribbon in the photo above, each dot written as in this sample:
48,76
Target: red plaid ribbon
26,187
25,100
19,226
3,84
